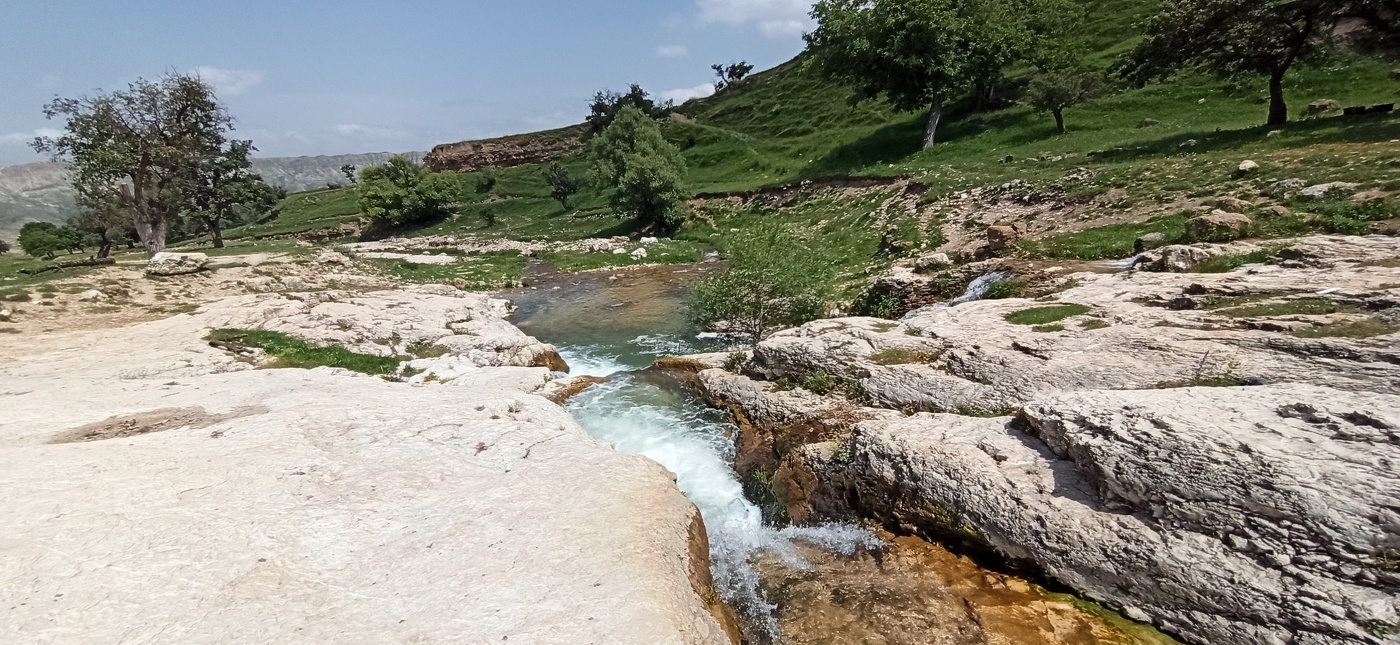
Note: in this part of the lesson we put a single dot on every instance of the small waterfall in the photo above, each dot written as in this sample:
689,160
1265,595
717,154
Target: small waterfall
975,290
693,441
1123,264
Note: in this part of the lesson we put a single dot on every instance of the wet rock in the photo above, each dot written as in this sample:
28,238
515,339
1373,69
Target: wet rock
170,264
1148,242
1217,226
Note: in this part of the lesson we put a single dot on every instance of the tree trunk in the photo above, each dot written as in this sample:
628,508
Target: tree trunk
1059,120
934,115
1278,109
216,231
104,247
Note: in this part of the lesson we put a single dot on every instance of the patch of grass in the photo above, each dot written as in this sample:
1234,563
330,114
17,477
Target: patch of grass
1045,315
900,356
969,410
1228,263
1003,289
305,212
1299,307
426,350
1105,242
16,296
1094,323
663,252
478,271
290,352
1369,328
1048,329
820,382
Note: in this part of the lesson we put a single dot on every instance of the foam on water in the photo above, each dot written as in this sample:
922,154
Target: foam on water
693,441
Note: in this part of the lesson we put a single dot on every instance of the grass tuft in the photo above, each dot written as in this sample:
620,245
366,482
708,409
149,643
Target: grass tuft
289,352
1045,315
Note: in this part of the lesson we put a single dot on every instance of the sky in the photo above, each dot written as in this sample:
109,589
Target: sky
314,77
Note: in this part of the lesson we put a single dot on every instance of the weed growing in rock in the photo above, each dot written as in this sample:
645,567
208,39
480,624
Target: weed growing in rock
1045,315
1048,329
734,362
1094,323
900,356
289,352
1228,263
1369,328
1299,307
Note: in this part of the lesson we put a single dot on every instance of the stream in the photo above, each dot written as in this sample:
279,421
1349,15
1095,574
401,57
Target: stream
836,583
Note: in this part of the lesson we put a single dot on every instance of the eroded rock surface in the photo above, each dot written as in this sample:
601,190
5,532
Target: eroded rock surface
206,501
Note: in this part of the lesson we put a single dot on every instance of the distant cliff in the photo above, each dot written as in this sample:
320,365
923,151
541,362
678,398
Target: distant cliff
504,152
39,192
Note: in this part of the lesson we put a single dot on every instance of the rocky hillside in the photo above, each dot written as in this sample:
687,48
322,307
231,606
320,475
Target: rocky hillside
39,192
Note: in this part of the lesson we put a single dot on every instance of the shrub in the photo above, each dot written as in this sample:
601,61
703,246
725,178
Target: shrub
1045,315
772,282
401,192
900,356
289,352
642,169
820,382
485,182
562,185
1228,263
41,239
1003,289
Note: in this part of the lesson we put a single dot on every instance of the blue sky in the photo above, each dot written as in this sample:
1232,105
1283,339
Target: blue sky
308,77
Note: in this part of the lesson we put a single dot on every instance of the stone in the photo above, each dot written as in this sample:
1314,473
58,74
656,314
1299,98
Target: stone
638,254
1232,204
413,258
932,262
1148,242
1247,167
619,251
223,503
1189,143
332,257
1328,190
1217,226
6,314
1002,237
92,295
1286,187
1274,211
166,263
294,283
1324,106
648,240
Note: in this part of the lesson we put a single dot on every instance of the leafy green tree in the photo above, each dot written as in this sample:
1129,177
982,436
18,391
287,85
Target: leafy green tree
607,104
140,145
918,54
774,281
400,193
102,219
730,74
225,188
562,185
643,170
1236,38
41,239
351,173
1057,92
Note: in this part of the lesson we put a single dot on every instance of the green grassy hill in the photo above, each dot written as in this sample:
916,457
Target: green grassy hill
1152,145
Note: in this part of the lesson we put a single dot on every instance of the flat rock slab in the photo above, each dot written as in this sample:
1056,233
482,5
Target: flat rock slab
192,499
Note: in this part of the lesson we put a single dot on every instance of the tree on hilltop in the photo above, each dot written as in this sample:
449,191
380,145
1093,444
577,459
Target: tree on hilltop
607,104
731,73
1236,38
140,146
644,171
918,54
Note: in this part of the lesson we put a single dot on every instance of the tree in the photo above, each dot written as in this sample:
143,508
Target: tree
731,74
350,172
225,188
41,239
1234,38
1057,92
140,145
101,218
774,281
562,185
607,104
644,170
401,192
1004,32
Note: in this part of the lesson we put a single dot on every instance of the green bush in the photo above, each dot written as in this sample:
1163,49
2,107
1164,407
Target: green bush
772,282
644,172
400,193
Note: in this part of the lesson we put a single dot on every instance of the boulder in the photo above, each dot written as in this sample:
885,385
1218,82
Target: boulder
1324,106
6,314
649,240
1247,167
1274,211
1002,237
166,263
638,254
1232,204
1217,226
331,257
1148,242
932,262
1324,191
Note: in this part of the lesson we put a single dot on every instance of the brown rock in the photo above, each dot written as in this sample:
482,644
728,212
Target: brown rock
1217,226
1323,106
505,152
1000,237
1232,204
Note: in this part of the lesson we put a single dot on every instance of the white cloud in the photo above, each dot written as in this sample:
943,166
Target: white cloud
775,18
26,137
686,93
359,131
672,51
229,82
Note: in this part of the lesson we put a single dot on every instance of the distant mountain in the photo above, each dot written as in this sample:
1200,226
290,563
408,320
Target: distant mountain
39,192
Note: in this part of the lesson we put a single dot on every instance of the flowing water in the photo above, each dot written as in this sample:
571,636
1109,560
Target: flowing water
616,327
792,585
